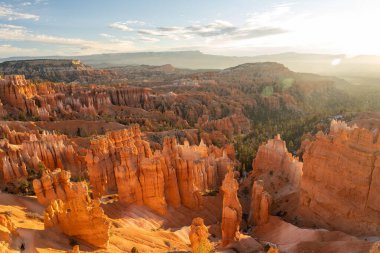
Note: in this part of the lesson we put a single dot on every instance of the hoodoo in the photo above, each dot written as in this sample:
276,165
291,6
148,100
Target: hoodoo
232,211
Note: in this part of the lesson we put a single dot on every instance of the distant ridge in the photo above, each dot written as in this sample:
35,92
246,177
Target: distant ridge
359,66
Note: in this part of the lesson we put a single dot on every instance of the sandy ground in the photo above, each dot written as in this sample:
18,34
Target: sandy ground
292,239
132,226
137,226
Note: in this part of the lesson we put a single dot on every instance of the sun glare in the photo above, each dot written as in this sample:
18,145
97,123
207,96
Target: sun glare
336,61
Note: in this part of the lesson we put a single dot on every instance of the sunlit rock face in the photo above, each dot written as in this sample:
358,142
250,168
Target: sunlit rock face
36,151
8,233
199,236
281,173
56,185
81,218
341,179
122,162
273,158
44,101
260,204
232,210
197,169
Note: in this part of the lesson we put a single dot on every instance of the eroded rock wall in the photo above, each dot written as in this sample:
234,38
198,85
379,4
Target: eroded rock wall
56,185
121,162
23,152
273,159
341,179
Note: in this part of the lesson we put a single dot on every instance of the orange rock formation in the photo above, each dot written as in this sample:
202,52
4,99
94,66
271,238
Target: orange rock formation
56,185
33,150
232,210
122,162
234,124
274,158
341,180
196,169
281,173
260,204
81,218
199,237
7,229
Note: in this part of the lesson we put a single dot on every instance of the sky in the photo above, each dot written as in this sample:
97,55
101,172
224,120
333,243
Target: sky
239,27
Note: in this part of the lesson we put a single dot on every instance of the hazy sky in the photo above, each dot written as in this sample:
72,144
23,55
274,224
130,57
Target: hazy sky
238,27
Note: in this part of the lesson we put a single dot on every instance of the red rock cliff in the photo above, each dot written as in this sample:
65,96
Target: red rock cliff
341,181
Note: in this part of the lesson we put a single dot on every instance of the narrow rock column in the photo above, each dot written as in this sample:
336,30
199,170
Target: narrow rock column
260,204
232,211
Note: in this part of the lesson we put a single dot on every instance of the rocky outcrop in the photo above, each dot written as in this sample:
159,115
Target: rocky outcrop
45,101
273,158
281,173
56,185
58,71
83,219
36,151
12,166
196,169
234,124
199,237
232,210
54,151
340,182
121,162
260,204
18,93
336,126
8,230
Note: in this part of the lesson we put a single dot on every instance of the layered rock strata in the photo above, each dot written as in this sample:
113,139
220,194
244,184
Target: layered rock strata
341,180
